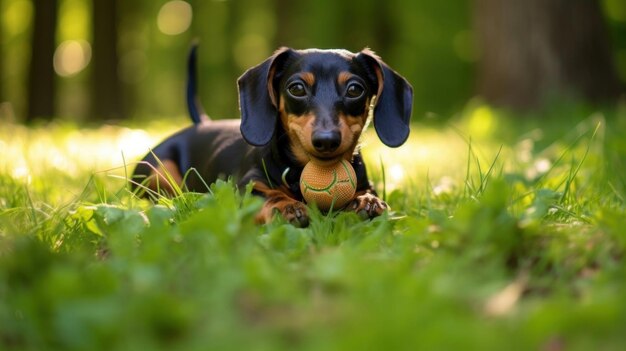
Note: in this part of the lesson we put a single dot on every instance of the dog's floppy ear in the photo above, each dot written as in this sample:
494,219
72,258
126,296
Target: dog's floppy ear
258,101
394,100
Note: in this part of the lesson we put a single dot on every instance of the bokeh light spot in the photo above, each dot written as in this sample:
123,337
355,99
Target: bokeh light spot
74,19
22,172
396,173
71,57
174,17
17,17
482,122
250,50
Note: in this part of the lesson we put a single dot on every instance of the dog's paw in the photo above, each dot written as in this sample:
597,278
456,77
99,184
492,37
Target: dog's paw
295,213
368,206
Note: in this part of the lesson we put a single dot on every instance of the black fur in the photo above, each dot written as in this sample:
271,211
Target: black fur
257,148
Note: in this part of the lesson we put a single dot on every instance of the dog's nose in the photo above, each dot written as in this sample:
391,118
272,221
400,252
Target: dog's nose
326,141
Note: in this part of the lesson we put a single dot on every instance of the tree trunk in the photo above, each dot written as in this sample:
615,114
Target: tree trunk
41,87
106,99
284,22
534,49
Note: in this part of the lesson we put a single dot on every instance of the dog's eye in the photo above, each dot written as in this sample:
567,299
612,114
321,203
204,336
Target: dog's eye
297,90
355,90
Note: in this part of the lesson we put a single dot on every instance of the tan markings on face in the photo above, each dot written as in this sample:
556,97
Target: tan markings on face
308,78
350,127
299,130
343,78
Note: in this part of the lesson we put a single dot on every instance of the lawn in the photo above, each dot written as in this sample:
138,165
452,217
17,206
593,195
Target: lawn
506,232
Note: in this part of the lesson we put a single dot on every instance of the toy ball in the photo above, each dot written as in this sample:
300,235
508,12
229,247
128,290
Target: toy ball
331,186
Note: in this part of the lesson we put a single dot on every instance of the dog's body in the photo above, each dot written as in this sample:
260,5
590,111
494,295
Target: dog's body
296,107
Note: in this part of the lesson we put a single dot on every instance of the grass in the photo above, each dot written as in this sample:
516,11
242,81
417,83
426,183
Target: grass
505,234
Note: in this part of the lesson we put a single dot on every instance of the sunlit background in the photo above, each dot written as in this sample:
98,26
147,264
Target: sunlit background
433,43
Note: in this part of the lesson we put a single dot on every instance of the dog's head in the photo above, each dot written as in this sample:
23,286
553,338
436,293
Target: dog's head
323,98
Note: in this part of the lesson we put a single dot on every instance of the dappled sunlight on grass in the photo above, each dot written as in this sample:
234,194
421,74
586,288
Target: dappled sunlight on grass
434,162
74,154
428,156
438,165
70,153
431,157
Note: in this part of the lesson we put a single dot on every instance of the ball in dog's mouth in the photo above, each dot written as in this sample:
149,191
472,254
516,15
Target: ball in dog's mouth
329,186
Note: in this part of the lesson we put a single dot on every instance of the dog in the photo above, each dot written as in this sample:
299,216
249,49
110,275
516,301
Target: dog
296,106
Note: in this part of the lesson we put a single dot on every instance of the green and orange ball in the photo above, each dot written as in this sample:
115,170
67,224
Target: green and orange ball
328,186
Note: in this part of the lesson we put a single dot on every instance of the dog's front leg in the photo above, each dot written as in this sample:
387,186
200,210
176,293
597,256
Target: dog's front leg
367,205
276,200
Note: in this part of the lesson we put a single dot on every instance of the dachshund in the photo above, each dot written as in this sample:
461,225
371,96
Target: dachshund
296,106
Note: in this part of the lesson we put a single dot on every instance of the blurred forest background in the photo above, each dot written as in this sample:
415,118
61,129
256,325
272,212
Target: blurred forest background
101,60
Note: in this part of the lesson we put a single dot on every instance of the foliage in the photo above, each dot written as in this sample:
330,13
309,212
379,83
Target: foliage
427,41
510,239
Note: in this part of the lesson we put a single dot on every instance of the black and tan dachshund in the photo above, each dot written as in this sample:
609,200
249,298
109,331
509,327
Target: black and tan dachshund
296,106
